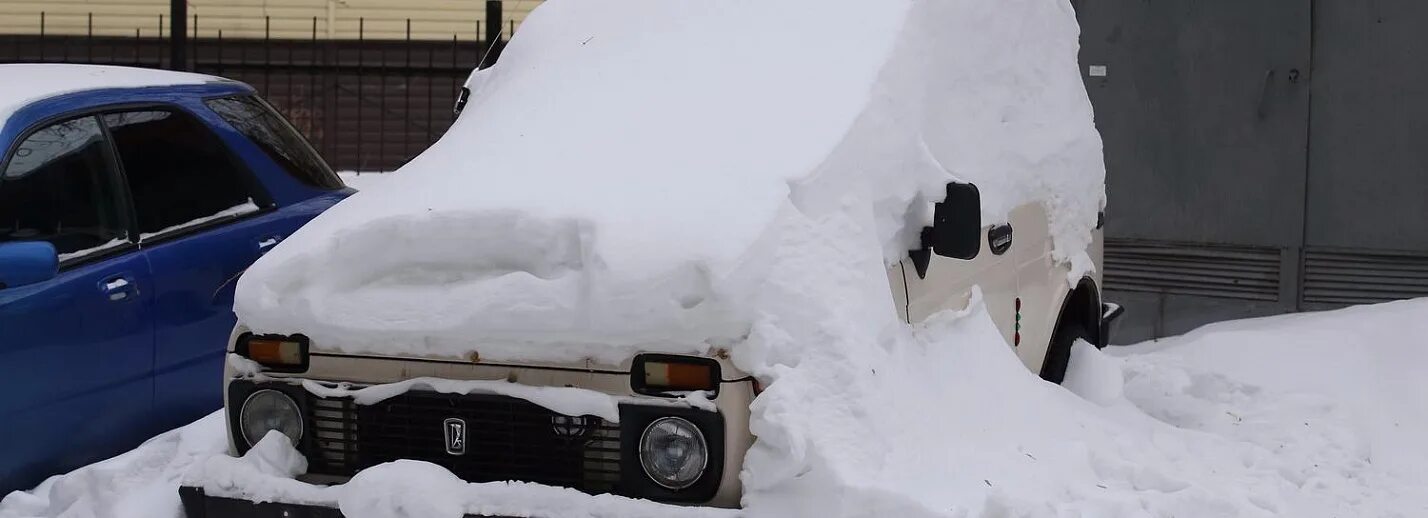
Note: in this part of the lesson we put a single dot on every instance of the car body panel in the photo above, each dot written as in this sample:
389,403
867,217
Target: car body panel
76,368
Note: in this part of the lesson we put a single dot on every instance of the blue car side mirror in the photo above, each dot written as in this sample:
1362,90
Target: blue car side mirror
27,262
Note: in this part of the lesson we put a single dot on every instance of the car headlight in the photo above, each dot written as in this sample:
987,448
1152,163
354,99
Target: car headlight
673,452
267,410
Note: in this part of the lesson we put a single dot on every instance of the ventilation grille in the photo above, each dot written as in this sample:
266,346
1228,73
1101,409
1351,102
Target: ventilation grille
1235,272
1343,277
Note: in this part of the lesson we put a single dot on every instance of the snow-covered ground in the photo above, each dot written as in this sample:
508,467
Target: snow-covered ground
1311,415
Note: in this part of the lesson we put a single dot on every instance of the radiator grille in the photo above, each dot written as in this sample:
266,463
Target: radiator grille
1236,272
508,439
1354,277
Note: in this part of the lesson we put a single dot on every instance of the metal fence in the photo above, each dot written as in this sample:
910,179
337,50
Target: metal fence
366,104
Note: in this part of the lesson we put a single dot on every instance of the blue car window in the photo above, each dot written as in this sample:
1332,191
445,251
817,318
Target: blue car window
278,139
180,174
59,187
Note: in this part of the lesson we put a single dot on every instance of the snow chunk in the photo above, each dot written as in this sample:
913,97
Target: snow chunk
403,489
1094,376
275,455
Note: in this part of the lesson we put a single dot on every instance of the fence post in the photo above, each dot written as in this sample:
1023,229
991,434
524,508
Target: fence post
178,34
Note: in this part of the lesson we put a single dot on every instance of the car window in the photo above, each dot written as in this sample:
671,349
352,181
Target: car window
278,139
180,174
59,187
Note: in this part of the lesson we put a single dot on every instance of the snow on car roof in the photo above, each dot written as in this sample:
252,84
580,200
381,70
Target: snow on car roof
627,170
30,82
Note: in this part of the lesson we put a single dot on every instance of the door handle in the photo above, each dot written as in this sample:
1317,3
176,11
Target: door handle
268,243
999,239
117,289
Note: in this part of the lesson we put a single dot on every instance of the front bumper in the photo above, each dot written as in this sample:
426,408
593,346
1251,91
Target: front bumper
197,504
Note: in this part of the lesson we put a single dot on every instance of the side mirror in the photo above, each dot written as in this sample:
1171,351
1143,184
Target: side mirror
956,229
23,263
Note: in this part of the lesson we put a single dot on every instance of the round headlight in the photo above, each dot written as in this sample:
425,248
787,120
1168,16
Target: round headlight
673,452
267,410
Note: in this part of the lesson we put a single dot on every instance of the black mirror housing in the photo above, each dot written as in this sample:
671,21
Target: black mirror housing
956,230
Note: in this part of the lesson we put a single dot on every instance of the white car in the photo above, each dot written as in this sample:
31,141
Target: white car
564,289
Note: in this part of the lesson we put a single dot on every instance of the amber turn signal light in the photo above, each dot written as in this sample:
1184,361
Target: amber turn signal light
275,352
667,375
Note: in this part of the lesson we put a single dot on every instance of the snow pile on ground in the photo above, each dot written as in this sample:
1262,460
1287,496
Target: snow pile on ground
622,177
142,483
1315,415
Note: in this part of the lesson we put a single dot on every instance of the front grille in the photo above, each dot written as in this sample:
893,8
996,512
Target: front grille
507,439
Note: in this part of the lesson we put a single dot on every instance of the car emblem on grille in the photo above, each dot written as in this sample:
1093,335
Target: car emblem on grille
455,432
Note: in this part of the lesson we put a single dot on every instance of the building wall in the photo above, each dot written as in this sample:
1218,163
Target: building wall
1261,157
284,19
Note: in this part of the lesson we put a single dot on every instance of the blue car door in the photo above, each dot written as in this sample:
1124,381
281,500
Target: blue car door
76,351
202,218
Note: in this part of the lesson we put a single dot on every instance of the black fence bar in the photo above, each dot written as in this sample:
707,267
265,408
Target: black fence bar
361,40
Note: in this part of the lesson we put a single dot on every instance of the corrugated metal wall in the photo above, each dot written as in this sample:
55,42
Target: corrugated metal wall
336,19
1262,157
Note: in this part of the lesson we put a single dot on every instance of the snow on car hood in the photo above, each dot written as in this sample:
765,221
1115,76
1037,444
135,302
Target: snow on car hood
630,172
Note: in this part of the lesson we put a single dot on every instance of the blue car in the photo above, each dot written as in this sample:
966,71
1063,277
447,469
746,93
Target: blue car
130,202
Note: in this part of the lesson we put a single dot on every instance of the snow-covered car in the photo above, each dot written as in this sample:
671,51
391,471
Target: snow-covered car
130,200
645,264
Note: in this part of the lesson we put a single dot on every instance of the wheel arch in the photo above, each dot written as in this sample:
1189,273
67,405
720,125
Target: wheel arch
1083,306
1080,314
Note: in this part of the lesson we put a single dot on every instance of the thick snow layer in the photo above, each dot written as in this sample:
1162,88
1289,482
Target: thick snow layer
623,177
1315,415
27,83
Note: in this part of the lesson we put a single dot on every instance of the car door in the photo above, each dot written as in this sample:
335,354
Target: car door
1041,283
202,219
76,351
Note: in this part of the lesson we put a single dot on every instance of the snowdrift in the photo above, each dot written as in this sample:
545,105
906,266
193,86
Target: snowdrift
625,178
673,177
